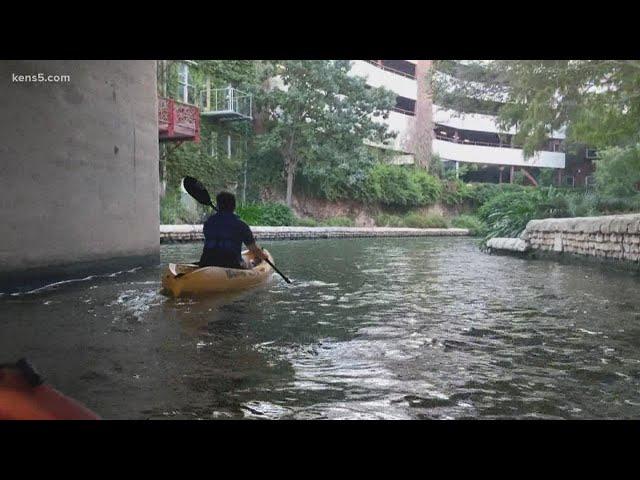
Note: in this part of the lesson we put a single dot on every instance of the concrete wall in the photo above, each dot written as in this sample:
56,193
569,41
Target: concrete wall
78,170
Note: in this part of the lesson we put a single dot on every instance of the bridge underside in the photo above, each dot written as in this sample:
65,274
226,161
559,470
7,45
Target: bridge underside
79,181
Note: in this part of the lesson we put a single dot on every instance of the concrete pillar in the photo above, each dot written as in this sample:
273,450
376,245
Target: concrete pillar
79,171
421,136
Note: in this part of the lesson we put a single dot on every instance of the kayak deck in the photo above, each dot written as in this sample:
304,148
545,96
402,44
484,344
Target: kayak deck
182,279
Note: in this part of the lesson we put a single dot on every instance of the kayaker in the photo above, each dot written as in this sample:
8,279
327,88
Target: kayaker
224,234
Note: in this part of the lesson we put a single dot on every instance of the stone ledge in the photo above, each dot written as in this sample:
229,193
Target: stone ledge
186,233
629,223
508,244
611,238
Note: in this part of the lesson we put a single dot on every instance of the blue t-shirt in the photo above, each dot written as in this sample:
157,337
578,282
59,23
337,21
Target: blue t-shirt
224,234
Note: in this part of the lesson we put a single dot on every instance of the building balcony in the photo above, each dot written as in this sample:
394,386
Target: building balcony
495,155
226,104
380,76
178,121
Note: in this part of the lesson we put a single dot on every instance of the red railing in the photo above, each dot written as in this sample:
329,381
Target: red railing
178,121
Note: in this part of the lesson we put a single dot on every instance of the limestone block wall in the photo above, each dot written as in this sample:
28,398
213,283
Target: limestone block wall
192,233
614,237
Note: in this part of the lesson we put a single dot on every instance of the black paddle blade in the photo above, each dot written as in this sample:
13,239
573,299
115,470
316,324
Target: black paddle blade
197,191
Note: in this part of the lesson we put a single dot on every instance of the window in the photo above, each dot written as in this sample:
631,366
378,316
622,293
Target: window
569,181
591,153
186,90
401,66
405,105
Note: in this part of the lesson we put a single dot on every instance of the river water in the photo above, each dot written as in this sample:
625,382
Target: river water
369,329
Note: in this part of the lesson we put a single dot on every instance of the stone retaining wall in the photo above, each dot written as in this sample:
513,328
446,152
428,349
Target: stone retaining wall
615,237
190,233
612,238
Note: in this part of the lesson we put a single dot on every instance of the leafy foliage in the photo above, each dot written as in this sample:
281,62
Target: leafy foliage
398,186
475,226
338,222
269,214
481,193
508,213
455,192
597,100
317,110
340,176
618,171
306,222
415,220
389,220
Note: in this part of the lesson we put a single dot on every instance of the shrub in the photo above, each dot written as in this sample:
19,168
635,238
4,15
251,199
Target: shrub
455,192
481,193
415,220
475,226
508,213
400,186
267,214
430,186
618,171
338,222
388,220
582,204
609,205
306,222
546,177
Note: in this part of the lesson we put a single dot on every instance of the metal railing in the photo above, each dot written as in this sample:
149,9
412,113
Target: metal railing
446,138
403,111
389,69
475,142
226,100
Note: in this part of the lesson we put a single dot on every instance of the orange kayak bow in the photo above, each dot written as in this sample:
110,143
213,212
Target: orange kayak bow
24,396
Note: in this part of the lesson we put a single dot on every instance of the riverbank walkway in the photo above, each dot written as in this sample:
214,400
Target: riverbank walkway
191,233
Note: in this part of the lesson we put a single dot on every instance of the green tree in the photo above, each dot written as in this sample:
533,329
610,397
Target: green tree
209,159
314,110
597,101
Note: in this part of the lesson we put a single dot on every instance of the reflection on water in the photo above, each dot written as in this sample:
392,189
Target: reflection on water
370,328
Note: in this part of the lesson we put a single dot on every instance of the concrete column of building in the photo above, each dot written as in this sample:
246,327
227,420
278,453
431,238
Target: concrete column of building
79,172
420,139
512,174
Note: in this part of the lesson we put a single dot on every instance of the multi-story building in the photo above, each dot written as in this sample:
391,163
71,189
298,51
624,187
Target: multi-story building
470,139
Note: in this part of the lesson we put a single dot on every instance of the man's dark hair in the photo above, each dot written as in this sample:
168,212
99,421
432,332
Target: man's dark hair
226,202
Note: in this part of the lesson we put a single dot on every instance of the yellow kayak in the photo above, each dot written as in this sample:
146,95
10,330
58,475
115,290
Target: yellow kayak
181,279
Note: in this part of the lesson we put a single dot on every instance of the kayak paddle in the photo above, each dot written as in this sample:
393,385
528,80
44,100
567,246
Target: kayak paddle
201,195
